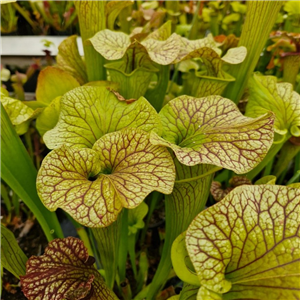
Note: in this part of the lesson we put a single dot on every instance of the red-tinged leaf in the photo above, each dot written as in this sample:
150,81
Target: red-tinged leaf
65,271
217,192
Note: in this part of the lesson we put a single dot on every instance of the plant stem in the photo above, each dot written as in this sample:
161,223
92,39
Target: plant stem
27,136
260,18
214,24
268,168
297,163
157,95
82,234
123,248
294,178
26,17
223,176
131,251
91,15
126,290
212,171
291,68
186,201
108,241
154,199
298,88
173,9
287,153
143,272
193,31
94,248
7,203
16,203
281,178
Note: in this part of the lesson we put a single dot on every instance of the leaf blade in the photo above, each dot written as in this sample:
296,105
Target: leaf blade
211,130
250,238
65,271
93,185
88,113
53,82
69,59
12,257
266,94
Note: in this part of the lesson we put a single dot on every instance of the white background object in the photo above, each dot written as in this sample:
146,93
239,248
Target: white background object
32,45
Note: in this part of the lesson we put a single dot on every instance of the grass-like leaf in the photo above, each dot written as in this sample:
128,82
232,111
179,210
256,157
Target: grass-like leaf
12,257
23,179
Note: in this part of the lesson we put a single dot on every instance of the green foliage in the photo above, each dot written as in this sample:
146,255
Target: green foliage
22,180
119,171
265,94
250,239
8,18
205,130
12,257
19,114
88,113
69,60
262,14
152,136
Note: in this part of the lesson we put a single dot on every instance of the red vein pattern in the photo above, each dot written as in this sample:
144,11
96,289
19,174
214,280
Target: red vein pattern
65,271
211,130
87,113
247,245
166,49
113,45
110,44
93,185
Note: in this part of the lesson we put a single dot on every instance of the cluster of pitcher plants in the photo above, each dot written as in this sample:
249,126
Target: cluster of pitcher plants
157,117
